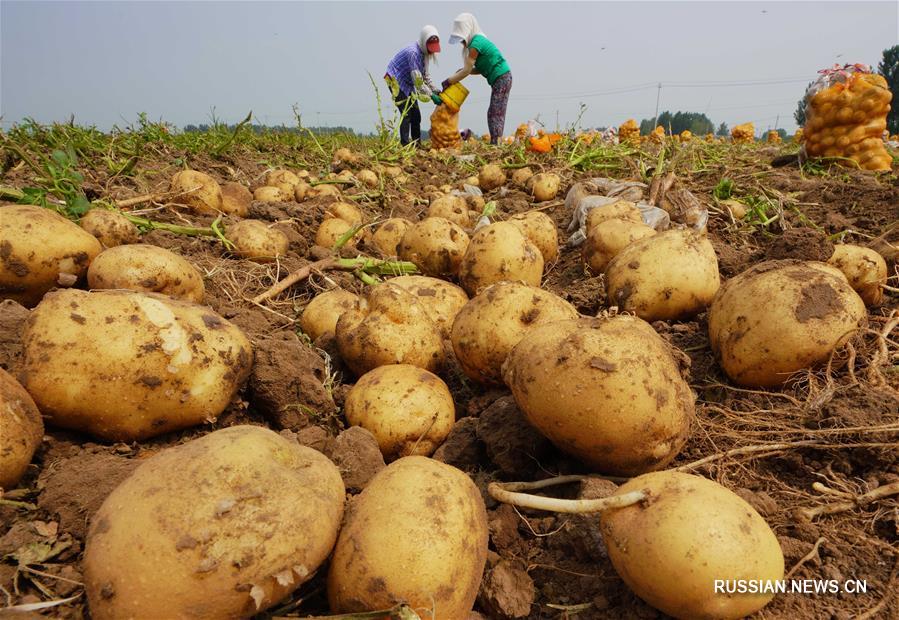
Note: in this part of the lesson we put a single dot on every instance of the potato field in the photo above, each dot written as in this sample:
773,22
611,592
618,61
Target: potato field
277,374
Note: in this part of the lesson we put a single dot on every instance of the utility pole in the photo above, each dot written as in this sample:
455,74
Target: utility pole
557,121
658,96
776,122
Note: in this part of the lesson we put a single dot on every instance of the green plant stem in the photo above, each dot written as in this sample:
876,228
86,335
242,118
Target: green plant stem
227,143
15,504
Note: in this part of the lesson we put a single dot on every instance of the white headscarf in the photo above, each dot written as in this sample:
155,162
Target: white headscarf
426,33
465,27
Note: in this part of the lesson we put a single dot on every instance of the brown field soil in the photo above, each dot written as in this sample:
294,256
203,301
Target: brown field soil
541,565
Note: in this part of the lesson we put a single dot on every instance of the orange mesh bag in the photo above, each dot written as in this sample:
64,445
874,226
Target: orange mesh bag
743,134
846,115
629,131
773,138
445,129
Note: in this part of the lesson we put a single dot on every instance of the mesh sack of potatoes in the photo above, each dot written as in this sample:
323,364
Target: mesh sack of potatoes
773,138
743,134
445,128
845,116
629,131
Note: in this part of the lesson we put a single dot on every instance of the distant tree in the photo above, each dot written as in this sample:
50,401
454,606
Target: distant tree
723,130
889,69
696,123
799,114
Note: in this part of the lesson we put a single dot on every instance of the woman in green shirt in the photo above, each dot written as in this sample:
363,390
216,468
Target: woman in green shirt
481,56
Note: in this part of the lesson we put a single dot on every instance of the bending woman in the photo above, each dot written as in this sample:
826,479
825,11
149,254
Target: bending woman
481,56
407,76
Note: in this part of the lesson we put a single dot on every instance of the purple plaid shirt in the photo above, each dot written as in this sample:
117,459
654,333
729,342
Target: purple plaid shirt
407,60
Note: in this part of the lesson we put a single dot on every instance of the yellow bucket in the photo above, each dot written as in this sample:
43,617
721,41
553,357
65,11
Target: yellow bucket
454,96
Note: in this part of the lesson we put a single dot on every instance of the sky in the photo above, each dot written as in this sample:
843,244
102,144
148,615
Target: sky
107,62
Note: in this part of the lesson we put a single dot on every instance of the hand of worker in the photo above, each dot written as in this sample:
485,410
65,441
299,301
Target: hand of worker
435,97
444,84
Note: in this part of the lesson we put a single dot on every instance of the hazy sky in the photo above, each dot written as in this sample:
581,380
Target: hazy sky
108,61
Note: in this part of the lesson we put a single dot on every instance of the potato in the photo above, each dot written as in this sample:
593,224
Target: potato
865,269
435,245
407,409
236,199
160,365
608,238
474,203
280,176
388,326
302,191
498,252
606,391
452,208
671,550
40,249
345,211
623,209
490,177
521,176
540,230
368,178
491,324
320,315
199,191
440,299
148,269
671,275
345,158
780,317
257,241
389,234
226,525
417,534
21,430
331,230
324,190
544,186
473,181
111,228
271,193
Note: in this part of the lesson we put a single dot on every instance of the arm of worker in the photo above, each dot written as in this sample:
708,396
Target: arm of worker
465,71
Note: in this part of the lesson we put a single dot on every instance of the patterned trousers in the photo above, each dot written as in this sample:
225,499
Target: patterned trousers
499,99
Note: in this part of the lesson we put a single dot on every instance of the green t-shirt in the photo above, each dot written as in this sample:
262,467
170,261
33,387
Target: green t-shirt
490,62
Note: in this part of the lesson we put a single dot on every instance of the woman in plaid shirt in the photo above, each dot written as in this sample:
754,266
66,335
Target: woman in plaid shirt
407,76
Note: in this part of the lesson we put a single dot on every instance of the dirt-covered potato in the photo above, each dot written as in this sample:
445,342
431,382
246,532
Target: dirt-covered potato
389,234
345,211
623,210
779,317
148,269
865,269
608,238
473,181
670,275
21,430
607,391
435,245
320,315
491,324
280,176
408,409
40,249
301,191
160,365
452,208
417,534
367,178
440,299
324,190
544,186
671,550
271,193
540,229
226,526
199,191
331,230
257,240
236,199
111,228
344,158
490,177
388,326
521,176
498,252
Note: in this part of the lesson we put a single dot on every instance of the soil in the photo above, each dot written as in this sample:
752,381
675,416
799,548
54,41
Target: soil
541,565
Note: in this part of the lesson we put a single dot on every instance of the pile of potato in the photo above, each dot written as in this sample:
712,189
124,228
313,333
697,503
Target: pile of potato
743,134
847,119
629,132
445,128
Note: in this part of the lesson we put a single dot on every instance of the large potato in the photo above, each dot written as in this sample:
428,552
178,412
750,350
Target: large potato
440,299
540,230
435,245
491,324
40,249
21,430
623,209
125,366
199,191
279,176
544,186
865,269
146,268
272,193
345,211
331,230
490,177
320,315
236,199
416,534
672,549
521,176
389,234
779,317
671,275
257,241
499,252
388,326
608,238
452,208
607,391
409,410
111,228
223,526
368,178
